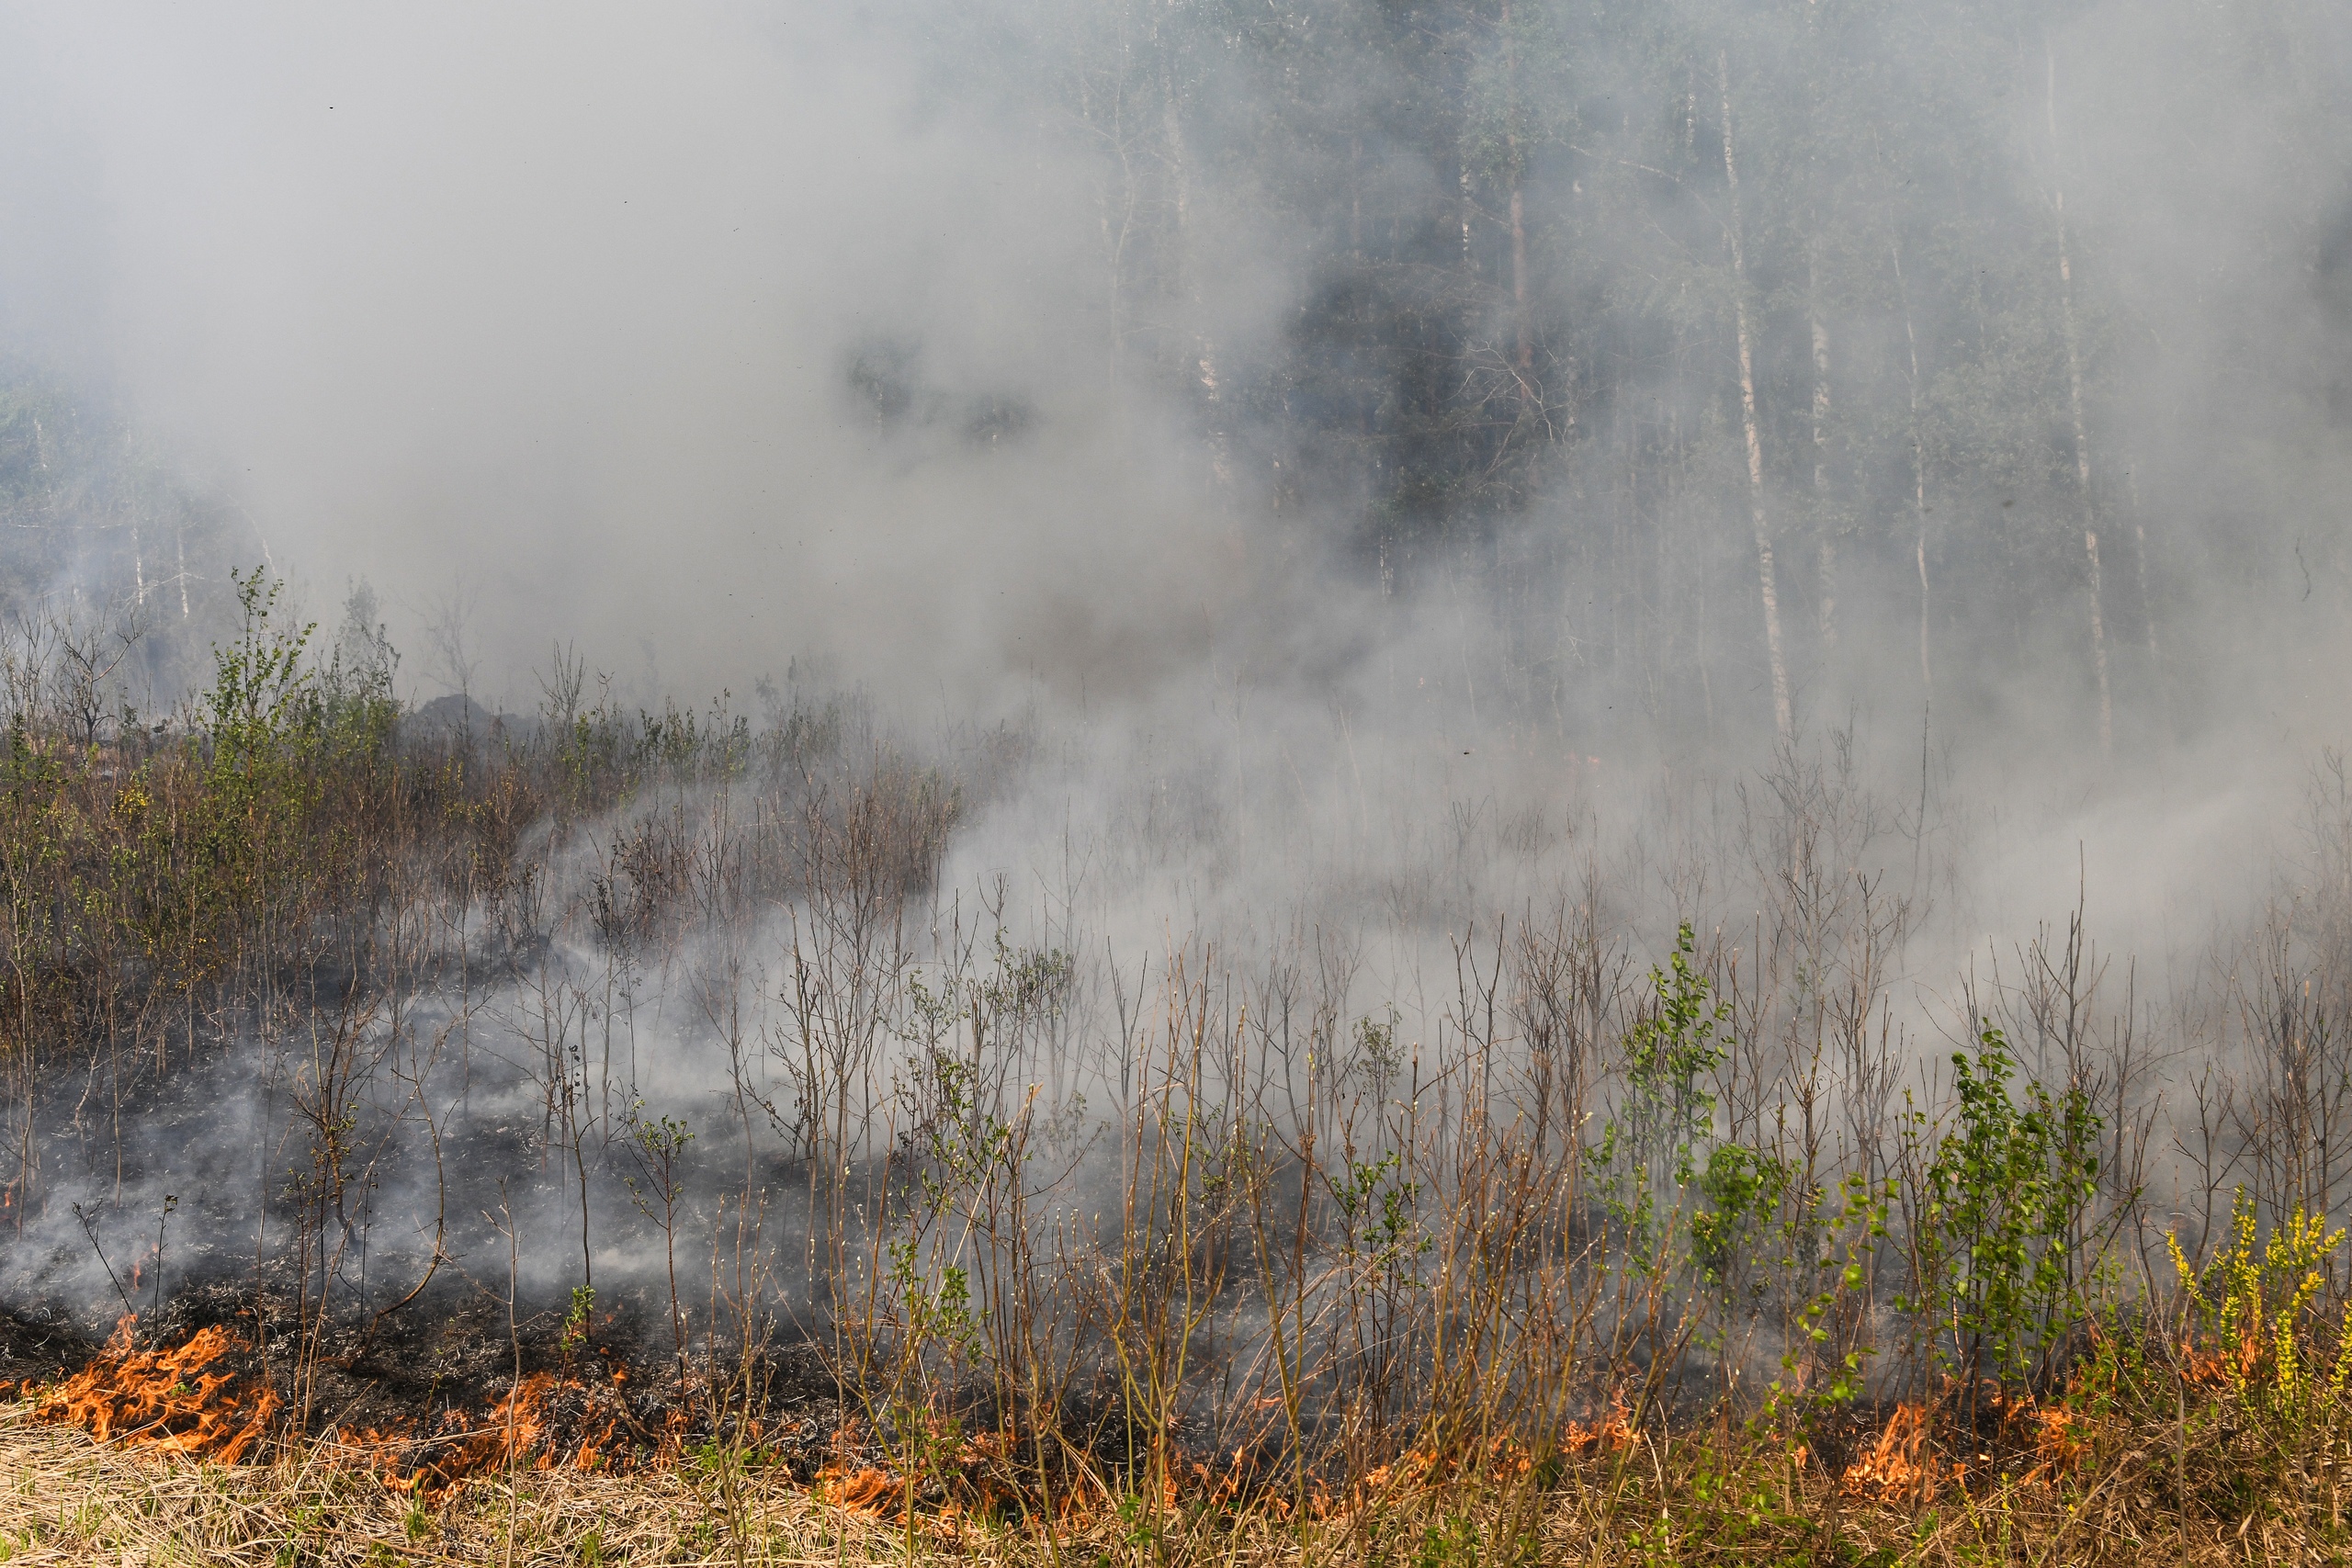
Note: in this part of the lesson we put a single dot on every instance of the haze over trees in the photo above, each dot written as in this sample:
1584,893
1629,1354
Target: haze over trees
1726,366
1743,356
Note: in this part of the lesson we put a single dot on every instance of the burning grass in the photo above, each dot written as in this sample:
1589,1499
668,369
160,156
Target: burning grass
209,1395
188,1399
177,1454
1695,1498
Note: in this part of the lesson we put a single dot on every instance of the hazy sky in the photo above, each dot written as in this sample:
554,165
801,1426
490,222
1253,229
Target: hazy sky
559,306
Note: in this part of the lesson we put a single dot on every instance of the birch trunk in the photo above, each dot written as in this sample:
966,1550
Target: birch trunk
2098,644
1918,472
1521,318
1757,512
1525,360
1183,284
2075,394
2147,599
1826,537
1461,173
1115,215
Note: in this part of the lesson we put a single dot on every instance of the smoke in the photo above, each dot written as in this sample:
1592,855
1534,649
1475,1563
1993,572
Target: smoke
1084,413
563,308
900,336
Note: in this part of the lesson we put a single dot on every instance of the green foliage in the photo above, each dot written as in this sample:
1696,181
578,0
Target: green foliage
964,1140
939,1334
1377,1227
1739,1191
1812,1371
2001,1198
578,1318
1469,1541
1648,1151
1669,1057
961,1139
935,1316
661,1140
265,706
103,851
355,688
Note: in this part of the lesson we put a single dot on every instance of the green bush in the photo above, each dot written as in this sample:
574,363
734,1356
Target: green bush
1998,1202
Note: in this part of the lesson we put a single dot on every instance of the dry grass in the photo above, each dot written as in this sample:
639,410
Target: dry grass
1710,1497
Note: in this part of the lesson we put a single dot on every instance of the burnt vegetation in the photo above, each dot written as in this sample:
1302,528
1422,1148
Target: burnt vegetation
616,1088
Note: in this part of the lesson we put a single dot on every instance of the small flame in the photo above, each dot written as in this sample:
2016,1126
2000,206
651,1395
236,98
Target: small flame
2059,1441
864,1489
1898,1468
515,1434
180,1401
1615,1433
170,1400
2222,1367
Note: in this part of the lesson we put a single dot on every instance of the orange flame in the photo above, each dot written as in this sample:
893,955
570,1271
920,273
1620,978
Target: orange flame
169,1400
2059,1442
179,1401
1614,1433
864,1490
517,1433
2222,1367
1898,1468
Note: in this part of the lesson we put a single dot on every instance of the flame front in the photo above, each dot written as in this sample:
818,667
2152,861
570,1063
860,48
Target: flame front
171,1400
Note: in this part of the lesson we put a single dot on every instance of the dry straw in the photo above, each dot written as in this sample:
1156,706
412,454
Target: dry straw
2072,1490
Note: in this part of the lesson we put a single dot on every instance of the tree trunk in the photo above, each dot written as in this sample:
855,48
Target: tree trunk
1356,198
1525,360
2147,599
1826,537
2082,436
1521,318
1182,283
1462,172
1918,470
1782,719
2098,644
1115,215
